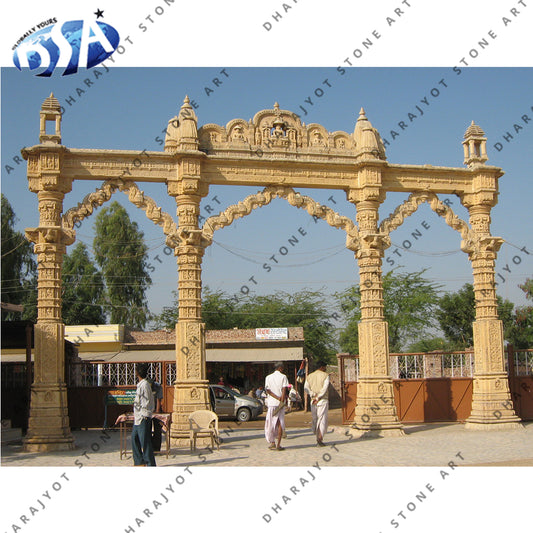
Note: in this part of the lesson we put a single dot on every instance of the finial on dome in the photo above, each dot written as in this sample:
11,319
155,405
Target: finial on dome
362,116
276,106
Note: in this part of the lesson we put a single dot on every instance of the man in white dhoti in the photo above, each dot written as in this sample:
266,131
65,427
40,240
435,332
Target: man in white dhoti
276,385
316,385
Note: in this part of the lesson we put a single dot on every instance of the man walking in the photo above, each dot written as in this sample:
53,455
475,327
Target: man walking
276,385
316,385
143,407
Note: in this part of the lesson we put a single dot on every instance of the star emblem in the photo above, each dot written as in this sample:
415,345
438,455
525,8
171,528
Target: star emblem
99,13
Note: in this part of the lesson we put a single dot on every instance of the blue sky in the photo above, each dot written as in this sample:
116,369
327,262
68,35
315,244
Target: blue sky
127,108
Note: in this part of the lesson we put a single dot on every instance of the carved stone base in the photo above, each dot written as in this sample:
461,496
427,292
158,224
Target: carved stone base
48,425
375,412
492,408
189,396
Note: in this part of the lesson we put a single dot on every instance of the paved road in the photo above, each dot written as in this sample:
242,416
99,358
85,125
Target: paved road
423,445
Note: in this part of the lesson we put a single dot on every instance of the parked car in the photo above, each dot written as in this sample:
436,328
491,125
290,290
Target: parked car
228,403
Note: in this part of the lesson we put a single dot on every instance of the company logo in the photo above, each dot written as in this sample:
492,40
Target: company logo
73,44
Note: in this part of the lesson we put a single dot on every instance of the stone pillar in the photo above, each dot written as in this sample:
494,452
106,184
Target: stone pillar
375,411
191,392
48,427
191,388
492,406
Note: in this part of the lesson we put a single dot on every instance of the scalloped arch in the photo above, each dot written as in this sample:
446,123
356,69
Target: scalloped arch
410,206
102,195
296,199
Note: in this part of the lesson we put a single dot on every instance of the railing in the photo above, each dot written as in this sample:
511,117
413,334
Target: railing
402,365
109,374
523,362
422,365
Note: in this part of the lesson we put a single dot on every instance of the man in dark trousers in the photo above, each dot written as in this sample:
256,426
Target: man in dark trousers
143,407
157,426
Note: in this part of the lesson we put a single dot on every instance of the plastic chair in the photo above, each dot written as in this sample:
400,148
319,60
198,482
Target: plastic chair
203,422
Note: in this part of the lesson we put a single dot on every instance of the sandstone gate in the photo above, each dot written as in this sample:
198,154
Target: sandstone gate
277,152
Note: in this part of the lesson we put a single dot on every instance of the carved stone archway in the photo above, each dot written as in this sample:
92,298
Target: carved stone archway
277,152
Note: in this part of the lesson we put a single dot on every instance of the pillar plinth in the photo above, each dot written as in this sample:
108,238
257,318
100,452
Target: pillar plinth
375,412
191,388
492,407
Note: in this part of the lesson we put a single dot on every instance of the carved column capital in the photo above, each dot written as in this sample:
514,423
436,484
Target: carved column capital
188,181
44,168
373,245
368,193
483,247
42,237
484,199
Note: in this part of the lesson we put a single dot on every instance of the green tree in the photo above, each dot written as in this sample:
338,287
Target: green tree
19,269
430,345
409,304
121,253
305,309
520,333
457,311
83,289
527,287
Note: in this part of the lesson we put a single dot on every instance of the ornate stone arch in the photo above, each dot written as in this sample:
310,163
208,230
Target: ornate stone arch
137,197
411,205
296,199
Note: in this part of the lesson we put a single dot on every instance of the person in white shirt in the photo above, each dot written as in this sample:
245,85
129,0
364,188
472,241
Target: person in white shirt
143,407
276,385
316,385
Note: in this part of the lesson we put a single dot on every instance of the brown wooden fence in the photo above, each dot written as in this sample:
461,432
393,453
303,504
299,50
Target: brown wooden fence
437,387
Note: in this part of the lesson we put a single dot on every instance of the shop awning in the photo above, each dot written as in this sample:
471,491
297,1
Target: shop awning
254,355
213,355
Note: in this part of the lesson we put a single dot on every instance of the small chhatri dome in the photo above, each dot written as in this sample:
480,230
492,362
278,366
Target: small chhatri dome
475,146
51,104
50,112
474,131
